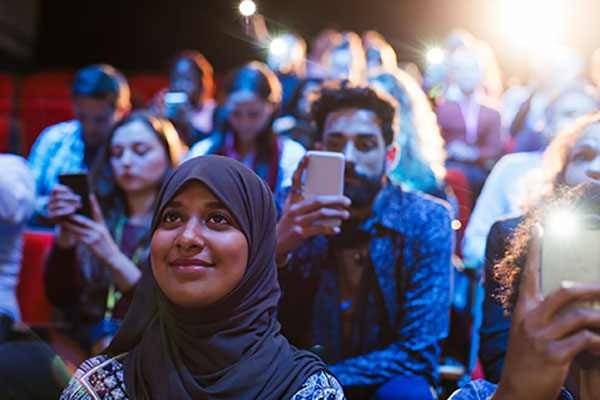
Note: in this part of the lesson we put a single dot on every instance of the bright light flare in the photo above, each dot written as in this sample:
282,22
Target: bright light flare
534,23
435,56
247,8
278,46
562,222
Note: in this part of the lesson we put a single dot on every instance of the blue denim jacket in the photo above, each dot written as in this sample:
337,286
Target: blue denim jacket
410,248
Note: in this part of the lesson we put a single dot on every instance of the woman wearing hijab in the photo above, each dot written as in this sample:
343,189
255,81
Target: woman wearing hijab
202,322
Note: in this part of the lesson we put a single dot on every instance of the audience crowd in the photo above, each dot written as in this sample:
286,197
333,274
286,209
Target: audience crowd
188,260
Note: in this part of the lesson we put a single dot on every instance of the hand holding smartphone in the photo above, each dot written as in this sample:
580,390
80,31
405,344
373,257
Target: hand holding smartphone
570,255
325,176
79,185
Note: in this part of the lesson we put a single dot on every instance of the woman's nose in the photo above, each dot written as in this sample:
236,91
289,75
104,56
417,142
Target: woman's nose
191,235
593,170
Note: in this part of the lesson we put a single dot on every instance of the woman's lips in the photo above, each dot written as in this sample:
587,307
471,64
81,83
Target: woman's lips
190,265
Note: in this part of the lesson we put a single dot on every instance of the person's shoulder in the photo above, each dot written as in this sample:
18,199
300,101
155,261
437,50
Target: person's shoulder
291,152
412,212
61,130
505,226
320,386
517,159
424,205
290,145
97,378
201,148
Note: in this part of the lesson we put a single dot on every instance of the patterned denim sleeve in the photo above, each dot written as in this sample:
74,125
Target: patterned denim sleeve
476,390
320,386
423,315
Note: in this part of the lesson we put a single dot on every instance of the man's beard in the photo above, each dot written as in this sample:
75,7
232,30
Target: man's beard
363,192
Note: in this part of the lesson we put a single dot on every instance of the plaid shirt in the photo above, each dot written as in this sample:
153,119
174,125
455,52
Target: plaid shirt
58,150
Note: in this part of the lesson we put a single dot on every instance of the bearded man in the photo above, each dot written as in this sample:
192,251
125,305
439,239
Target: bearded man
371,297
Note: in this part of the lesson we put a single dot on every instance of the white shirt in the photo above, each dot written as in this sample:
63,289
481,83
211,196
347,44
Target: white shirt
502,192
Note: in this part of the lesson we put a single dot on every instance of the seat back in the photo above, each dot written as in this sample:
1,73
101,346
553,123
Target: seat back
34,305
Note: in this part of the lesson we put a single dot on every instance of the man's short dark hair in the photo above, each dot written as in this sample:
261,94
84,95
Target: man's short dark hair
102,81
338,94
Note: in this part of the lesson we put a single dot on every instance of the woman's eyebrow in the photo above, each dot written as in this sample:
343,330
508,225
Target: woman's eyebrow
174,204
216,205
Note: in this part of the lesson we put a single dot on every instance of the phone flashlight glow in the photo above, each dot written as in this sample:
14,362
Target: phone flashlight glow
562,223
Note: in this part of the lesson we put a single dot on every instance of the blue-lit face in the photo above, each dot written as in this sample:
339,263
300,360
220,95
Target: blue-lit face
584,160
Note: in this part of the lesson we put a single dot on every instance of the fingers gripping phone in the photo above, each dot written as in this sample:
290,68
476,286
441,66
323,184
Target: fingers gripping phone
570,254
325,176
79,185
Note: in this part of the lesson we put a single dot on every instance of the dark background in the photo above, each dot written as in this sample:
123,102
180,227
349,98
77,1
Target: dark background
141,35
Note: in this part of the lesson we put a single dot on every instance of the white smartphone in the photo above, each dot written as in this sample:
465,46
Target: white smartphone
570,256
325,176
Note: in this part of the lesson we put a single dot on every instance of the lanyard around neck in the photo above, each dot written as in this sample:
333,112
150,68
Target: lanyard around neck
115,295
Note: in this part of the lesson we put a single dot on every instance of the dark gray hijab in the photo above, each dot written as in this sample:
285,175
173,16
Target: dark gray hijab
231,349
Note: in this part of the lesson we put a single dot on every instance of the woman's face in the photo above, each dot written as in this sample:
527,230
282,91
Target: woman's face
138,159
304,102
185,78
198,252
583,164
248,114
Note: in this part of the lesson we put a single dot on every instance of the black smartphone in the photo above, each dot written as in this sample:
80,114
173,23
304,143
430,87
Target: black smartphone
79,185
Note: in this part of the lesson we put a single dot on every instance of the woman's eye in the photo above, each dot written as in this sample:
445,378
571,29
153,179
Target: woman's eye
116,152
582,156
140,149
219,219
170,217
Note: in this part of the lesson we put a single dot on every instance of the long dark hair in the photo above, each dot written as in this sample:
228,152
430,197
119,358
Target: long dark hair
110,196
260,80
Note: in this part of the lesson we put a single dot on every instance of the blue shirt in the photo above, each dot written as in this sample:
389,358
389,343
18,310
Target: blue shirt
410,248
58,150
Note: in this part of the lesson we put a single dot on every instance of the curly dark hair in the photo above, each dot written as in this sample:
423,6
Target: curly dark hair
583,200
338,94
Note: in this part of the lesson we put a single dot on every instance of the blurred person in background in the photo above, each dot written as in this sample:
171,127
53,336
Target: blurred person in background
296,122
101,98
553,70
506,187
470,126
319,46
346,60
379,54
95,262
17,197
252,102
189,102
288,63
421,158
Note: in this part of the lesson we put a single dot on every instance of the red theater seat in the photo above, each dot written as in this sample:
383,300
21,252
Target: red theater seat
35,308
143,87
460,186
48,84
37,114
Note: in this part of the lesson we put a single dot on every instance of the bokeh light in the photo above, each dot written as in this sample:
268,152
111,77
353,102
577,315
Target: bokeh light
562,222
533,23
277,46
435,55
247,8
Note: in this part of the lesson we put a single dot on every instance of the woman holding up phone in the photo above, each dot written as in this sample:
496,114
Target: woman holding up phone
94,264
572,158
550,337
253,98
